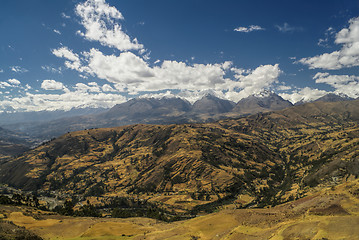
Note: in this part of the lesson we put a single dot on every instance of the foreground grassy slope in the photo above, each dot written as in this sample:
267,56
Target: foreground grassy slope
265,159
331,213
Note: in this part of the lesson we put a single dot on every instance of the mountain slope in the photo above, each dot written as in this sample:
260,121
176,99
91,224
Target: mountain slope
331,97
263,102
12,143
271,157
212,105
149,107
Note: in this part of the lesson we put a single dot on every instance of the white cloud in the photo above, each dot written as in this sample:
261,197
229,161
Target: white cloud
27,87
127,68
347,56
64,52
251,28
100,22
4,84
52,69
254,81
345,84
65,101
18,69
1,70
306,94
135,74
288,28
108,88
284,88
91,87
14,81
53,85
167,94
130,73
65,16
324,42
73,60
57,31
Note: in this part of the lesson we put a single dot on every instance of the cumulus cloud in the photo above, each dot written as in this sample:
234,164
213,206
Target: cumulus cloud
1,70
108,88
65,101
64,52
101,24
347,56
343,84
53,85
306,94
134,74
14,81
72,59
251,28
253,81
11,83
91,87
4,84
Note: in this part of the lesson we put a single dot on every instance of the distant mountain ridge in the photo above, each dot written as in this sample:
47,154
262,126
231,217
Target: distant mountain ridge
161,111
331,97
263,102
144,107
210,104
156,111
43,116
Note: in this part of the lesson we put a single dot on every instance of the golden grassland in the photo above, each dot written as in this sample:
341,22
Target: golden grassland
331,213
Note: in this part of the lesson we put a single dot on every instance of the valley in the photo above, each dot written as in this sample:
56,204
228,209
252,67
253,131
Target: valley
258,167
331,213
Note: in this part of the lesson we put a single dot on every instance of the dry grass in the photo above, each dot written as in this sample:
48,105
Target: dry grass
332,213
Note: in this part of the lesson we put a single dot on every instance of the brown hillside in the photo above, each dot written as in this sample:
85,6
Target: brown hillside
332,213
272,157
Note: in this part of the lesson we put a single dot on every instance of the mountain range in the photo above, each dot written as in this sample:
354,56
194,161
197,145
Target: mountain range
259,160
145,110
152,111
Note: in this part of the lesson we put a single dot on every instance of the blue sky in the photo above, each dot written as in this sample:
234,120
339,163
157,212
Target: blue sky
62,54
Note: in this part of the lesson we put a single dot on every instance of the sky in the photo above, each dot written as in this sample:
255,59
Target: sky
64,54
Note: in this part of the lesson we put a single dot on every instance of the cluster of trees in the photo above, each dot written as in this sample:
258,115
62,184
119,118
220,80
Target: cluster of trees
123,207
87,210
19,199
